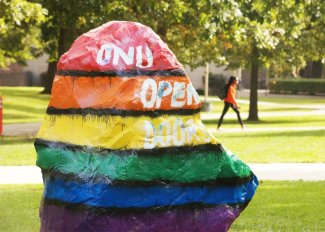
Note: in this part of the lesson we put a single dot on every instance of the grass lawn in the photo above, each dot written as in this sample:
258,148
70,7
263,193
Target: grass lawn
19,207
217,106
277,206
23,104
255,147
230,121
17,151
284,206
306,100
273,147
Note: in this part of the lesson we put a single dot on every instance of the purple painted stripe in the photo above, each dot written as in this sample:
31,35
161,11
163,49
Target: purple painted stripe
56,218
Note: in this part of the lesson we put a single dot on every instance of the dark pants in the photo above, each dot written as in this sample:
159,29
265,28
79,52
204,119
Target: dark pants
225,109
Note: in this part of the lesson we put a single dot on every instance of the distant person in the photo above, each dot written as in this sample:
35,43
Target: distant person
230,101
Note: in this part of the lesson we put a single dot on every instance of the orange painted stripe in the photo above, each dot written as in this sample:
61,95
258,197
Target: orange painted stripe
121,93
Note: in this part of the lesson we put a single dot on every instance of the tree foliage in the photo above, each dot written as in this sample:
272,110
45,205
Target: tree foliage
274,33
186,26
66,21
19,31
279,34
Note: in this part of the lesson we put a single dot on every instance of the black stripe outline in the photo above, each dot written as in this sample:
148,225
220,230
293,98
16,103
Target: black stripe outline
51,174
122,113
121,73
207,147
132,210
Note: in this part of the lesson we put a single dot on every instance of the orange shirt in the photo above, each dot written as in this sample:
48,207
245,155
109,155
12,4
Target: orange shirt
231,95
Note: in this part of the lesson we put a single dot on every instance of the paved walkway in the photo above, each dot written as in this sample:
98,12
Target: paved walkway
274,171
21,129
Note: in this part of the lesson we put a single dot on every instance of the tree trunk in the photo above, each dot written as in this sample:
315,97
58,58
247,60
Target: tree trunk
162,32
253,111
48,80
51,70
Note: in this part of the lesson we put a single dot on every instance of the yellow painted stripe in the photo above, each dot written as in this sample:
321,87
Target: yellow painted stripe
115,132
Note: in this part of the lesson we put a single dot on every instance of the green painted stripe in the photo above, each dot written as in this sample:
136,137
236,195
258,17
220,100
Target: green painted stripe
182,168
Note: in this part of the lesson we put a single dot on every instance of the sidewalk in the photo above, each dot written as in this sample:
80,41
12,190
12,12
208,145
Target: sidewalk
21,129
273,171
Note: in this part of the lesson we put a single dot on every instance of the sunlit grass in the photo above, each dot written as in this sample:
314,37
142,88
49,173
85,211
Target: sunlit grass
217,106
256,147
19,207
23,104
273,147
306,100
276,206
230,121
17,151
284,206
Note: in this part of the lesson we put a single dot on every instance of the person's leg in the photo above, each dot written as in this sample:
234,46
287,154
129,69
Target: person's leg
238,116
225,109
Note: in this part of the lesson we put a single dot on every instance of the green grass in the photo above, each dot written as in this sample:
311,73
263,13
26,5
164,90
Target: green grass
23,104
244,107
256,147
306,100
284,206
272,147
277,206
19,207
268,147
278,121
289,99
17,151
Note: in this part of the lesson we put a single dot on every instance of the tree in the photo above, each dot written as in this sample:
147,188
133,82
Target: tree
19,31
183,25
66,21
313,37
186,26
268,33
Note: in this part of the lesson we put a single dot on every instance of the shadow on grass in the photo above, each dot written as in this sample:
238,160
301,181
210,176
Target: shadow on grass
284,109
315,133
11,117
29,109
292,120
23,93
15,140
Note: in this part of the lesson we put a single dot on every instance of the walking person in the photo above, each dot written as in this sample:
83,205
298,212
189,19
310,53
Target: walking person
230,101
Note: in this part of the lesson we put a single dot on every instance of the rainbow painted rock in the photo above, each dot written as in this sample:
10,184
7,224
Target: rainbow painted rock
122,146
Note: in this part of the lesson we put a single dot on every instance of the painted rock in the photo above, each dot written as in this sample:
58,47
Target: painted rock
122,146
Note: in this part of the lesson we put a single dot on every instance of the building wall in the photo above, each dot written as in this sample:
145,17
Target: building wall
197,75
262,78
29,75
35,68
12,76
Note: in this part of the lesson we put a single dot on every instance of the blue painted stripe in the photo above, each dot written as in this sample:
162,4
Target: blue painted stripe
103,195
